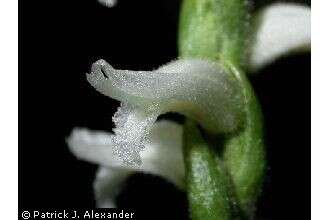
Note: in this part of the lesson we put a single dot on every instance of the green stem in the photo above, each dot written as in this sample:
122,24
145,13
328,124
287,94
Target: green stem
206,181
214,29
217,30
244,153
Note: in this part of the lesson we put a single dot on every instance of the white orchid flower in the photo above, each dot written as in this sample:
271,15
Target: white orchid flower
198,89
195,88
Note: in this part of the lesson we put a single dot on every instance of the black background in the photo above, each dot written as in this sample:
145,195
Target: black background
59,40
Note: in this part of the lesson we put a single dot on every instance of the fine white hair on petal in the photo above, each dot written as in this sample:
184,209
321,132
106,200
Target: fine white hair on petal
162,155
280,28
133,125
108,3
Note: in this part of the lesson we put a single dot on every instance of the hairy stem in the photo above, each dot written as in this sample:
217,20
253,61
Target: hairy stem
217,30
206,181
214,29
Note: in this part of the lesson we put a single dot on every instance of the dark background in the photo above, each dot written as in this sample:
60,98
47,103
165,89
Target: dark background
59,40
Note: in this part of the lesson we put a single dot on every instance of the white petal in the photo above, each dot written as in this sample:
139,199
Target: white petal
162,155
93,146
280,28
107,185
108,3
